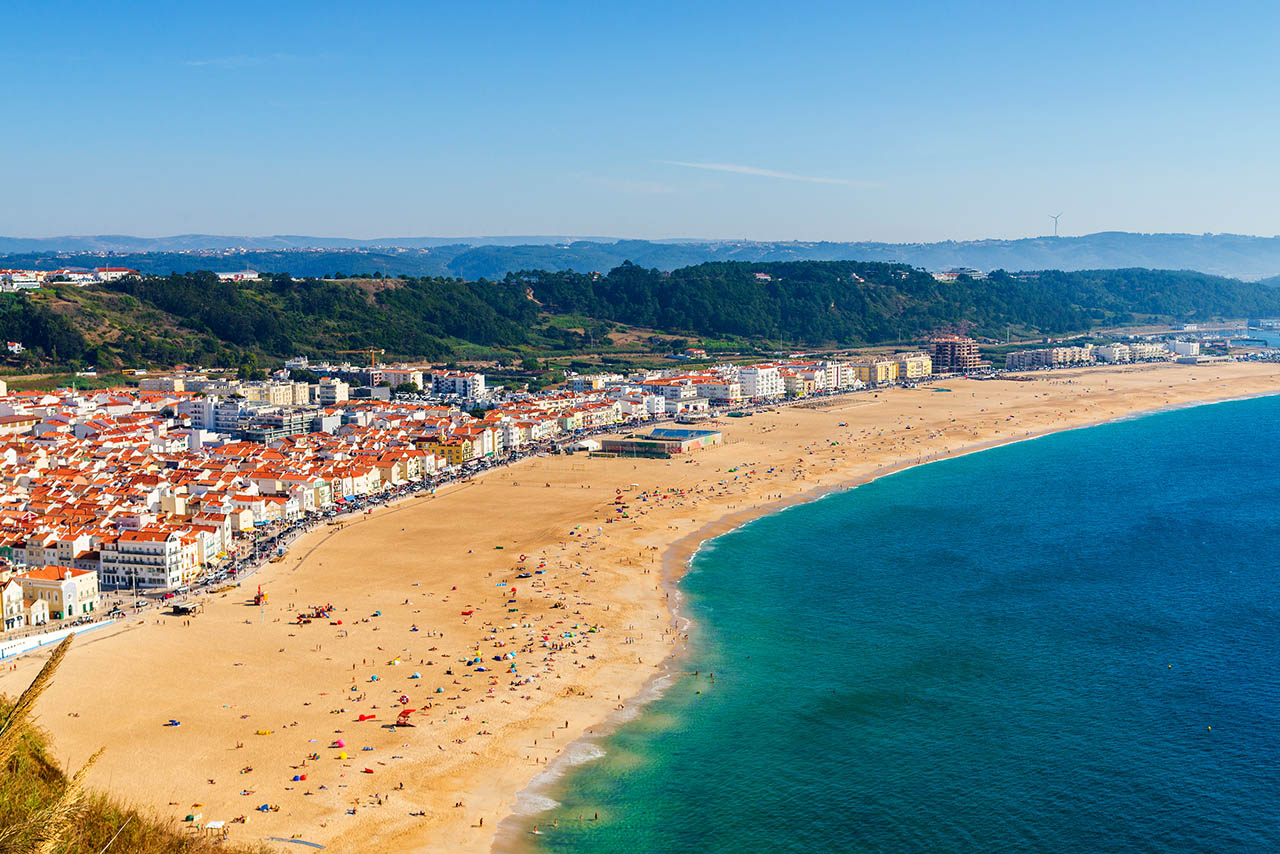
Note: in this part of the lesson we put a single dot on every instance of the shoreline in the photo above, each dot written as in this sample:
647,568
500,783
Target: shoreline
677,560
441,560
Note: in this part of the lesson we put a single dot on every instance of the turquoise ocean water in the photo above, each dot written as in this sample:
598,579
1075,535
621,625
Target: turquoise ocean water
1067,645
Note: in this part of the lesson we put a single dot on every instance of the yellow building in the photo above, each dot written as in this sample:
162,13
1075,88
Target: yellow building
875,371
455,451
913,366
796,385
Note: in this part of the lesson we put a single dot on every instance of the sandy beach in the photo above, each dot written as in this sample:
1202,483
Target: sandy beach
549,575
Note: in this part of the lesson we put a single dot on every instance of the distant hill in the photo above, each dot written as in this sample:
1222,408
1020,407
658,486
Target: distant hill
203,242
158,321
1238,256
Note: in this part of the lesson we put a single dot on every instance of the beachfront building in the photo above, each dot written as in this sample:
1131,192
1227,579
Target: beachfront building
720,392
455,451
877,371
68,592
913,366
1061,357
12,605
841,376
955,355
1113,353
796,384
145,559
661,442
761,382
1050,357
689,406
1022,360
35,612
1146,351
641,406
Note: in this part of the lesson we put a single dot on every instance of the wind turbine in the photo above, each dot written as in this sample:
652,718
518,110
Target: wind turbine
1054,217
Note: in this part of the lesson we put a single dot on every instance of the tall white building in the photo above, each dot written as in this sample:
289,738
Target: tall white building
200,410
464,384
761,381
145,559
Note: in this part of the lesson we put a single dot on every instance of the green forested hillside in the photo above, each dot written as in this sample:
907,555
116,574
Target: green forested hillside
849,302
194,317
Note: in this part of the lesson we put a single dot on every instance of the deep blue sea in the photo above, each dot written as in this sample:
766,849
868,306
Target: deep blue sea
1067,645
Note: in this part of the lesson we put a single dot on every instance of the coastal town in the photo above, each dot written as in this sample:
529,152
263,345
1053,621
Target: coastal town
117,499
580,428
509,613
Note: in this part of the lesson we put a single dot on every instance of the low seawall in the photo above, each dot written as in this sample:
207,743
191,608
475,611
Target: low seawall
16,647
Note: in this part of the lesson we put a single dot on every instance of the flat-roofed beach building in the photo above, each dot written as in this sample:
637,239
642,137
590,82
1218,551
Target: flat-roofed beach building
662,442
1116,352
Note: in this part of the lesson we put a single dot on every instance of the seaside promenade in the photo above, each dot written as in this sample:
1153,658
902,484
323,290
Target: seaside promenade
511,614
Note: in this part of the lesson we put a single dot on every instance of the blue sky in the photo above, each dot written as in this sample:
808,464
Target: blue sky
839,121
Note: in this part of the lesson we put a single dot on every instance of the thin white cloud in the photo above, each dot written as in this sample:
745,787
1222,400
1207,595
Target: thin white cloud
763,173
239,60
630,187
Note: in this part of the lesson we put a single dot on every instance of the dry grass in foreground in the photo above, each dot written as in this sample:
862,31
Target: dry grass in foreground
43,812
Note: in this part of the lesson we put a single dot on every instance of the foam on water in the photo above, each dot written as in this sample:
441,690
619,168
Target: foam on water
528,803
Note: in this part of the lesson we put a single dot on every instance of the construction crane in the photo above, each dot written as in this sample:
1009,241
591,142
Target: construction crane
371,352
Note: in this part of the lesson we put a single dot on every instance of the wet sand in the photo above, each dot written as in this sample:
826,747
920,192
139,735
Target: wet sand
257,694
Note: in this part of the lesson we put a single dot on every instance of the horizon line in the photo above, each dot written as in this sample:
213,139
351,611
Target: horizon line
562,238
